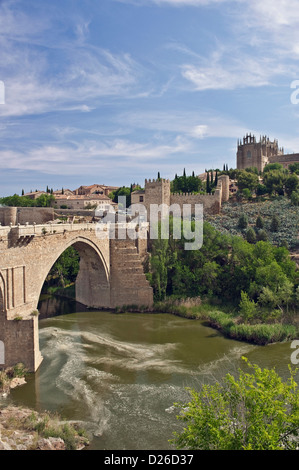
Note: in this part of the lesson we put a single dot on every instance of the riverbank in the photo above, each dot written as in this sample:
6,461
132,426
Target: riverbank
25,429
228,324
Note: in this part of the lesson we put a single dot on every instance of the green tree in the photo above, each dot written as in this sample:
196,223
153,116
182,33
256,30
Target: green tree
45,200
274,181
208,187
65,269
261,190
262,235
246,180
273,166
250,235
247,308
247,193
275,222
295,198
256,410
243,221
291,184
259,222
294,168
123,191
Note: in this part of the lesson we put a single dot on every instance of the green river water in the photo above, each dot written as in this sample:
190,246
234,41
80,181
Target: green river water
120,374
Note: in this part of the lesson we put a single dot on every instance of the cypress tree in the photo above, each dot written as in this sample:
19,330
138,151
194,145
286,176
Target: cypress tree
208,183
216,179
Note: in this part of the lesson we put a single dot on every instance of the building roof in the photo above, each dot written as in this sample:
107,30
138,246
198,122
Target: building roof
91,197
140,191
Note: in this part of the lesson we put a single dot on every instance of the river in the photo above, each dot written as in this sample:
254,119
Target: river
120,374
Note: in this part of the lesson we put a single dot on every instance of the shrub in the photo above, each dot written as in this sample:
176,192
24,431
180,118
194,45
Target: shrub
243,221
295,198
250,235
255,410
262,236
259,222
274,224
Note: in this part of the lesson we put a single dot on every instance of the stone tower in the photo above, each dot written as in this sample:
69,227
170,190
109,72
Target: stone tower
157,192
252,153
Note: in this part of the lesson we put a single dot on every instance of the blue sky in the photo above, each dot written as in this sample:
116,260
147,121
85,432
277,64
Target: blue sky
113,91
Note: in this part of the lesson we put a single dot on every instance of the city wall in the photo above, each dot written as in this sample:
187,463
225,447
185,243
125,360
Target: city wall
23,215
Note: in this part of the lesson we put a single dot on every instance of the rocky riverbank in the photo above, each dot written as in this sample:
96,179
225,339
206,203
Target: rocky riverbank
25,429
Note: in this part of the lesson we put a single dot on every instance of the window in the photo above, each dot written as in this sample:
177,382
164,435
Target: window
248,154
140,198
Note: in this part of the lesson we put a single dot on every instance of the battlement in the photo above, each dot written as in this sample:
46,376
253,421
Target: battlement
157,181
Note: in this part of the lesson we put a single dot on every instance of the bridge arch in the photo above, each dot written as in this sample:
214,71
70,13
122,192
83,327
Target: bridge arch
93,279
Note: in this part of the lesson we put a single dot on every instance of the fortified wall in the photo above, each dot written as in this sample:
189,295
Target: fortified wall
158,192
23,215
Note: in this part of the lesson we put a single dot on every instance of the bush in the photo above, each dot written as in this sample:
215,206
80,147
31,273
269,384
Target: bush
259,222
295,198
243,221
262,236
274,224
250,235
254,411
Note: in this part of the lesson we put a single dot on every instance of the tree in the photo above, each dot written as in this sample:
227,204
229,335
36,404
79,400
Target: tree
273,166
247,308
246,180
216,179
295,198
123,191
261,190
243,221
262,235
259,222
250,235
291,184
65,269
246,193
294,168
274,224
256,410
208,183
274,181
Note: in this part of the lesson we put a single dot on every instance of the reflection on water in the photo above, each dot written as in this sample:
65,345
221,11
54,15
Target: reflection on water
120,374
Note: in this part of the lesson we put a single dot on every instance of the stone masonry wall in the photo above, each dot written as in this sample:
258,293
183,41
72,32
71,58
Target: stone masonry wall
23,215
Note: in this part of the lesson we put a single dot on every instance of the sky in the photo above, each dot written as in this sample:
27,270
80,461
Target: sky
115,91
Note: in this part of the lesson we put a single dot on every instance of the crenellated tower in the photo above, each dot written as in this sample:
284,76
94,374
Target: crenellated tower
253,153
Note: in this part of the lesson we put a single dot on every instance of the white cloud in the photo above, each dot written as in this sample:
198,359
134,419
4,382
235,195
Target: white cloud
177,3
90,156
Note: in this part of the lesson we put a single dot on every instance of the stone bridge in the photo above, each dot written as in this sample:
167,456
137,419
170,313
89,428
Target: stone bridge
110,275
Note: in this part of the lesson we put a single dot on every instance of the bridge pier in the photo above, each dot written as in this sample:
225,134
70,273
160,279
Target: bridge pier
20,343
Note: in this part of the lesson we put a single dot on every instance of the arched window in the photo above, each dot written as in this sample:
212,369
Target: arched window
248,154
